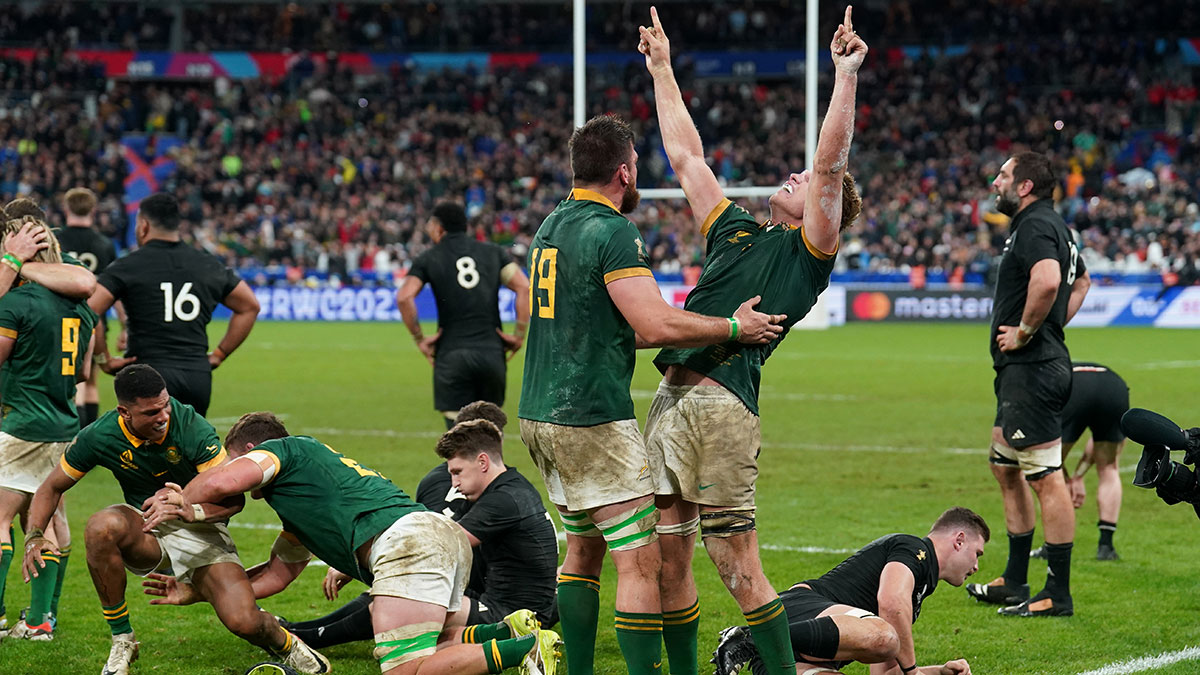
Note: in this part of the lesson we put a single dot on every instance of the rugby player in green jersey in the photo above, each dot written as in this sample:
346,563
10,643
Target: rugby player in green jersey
703,424
44,352
416,562
65,276
149,440
593,292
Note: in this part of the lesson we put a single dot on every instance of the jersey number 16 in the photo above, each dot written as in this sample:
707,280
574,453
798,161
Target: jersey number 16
184,306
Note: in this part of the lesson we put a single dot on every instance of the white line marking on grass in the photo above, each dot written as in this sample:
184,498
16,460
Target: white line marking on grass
1147,662
1161,365
873,448
562,536
378,433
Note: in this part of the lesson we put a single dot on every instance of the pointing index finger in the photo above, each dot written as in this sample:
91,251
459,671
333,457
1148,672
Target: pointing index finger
654,18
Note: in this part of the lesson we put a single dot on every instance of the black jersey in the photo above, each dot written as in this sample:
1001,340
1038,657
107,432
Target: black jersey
517,541
465,277
437,493
855,581
1037,233
85,244
170,290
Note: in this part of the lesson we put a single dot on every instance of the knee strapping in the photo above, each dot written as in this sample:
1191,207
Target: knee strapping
406,643
578,523
683,529
817,638
726,523
631,529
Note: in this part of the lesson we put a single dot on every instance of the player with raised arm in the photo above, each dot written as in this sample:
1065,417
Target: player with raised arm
415,561
594,302
44,351
864,609
149,441
704,422
81,241
468,350
170,290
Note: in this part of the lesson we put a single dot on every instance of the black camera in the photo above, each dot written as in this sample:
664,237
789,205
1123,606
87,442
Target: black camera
1174,482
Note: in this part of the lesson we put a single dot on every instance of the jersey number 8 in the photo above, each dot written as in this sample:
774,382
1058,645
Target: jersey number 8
173,305
468,274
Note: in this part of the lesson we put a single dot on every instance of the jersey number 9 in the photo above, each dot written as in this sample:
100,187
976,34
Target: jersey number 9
70,345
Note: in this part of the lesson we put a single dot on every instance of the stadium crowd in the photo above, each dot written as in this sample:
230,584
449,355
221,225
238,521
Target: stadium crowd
336,173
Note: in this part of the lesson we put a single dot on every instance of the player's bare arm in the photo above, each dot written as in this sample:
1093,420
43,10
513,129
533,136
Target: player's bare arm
71,281
895,607
516,281
100,301
660,324
682,141
169,504
406,303
244,305
45,500
1044,279
1079,291
823,205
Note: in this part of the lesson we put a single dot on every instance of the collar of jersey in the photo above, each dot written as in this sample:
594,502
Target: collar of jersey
139,442
580,194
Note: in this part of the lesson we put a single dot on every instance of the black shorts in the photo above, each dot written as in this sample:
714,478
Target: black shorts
802,604
1030,398
1098,400
193,387
486,609
464,376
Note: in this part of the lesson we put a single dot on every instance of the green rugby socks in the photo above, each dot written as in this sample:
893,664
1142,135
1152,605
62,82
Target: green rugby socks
579,614
769,626
640,639
680,630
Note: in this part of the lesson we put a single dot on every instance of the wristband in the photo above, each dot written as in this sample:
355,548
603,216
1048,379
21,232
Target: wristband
12,261
733,328
908,669
35,533
1027,329
101,359
219,353
198,513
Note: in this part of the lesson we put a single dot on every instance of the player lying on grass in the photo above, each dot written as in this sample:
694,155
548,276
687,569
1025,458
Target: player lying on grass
416,562
864,609
148,440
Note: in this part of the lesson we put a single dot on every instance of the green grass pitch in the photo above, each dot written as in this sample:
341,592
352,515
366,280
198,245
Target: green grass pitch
867,430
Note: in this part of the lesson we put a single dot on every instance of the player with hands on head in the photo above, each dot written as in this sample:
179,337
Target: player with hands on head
19,260
703,424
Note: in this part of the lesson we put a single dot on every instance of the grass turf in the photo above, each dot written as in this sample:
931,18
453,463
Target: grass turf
867,430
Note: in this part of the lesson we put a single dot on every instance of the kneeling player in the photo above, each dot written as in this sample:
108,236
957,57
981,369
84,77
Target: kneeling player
863,609
416,562
148,440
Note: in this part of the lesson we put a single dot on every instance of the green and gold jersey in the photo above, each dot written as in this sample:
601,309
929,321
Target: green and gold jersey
50,336
142,467
579,352
330,502
746,259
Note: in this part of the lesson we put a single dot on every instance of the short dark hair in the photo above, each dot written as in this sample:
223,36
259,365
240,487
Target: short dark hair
482,410
959,517
80,201
1034,166
452,216
24,206
599,148
137,381
162,210
255,428
468,439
